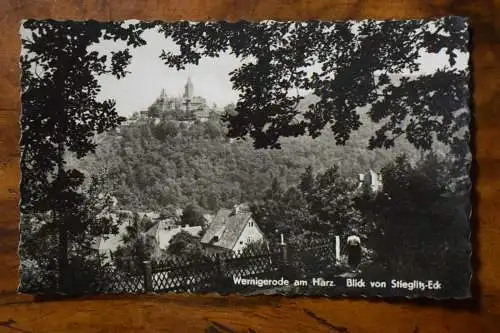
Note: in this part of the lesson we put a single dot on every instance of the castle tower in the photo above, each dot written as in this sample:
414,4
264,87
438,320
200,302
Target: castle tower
163,100
188,89
188,93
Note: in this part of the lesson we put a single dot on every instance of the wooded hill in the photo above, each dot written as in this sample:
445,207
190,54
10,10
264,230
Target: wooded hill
152,166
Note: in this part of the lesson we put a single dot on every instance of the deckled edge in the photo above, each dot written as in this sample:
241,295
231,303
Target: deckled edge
21,153
471,222
211,20
362,295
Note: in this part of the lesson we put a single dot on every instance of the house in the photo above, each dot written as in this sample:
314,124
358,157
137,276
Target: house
105,245
208,218
151,215
232,230
109,243
163,231
372,180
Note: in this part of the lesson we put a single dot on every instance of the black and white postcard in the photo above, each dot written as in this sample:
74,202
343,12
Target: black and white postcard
294,158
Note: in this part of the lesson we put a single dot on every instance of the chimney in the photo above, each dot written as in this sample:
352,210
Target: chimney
236,209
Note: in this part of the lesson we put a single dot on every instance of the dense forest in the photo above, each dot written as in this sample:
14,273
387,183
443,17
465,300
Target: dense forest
411,228
152,165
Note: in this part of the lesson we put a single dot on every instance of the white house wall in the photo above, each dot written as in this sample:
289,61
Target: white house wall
250,234
110,245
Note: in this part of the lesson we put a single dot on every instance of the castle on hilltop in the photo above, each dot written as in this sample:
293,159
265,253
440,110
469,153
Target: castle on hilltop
187,107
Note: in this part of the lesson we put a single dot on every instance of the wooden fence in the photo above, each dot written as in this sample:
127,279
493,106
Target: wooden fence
215,272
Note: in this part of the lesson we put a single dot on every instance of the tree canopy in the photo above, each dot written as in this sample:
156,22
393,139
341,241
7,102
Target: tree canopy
59,90
192,216
360,64
327,205
150,171
419,222
61,115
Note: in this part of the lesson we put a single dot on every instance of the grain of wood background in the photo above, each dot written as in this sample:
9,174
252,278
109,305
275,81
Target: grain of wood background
211,313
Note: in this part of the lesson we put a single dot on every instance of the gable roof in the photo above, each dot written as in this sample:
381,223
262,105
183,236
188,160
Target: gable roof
159,225
165,235
95,243
150,215
227,227
153,231
164,232
208,218
110,242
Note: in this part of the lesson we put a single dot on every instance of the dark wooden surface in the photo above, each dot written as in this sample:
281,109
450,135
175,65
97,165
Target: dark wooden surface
178,313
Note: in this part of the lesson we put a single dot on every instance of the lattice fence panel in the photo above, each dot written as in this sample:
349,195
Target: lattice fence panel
250,265
183,275
113,281
314,259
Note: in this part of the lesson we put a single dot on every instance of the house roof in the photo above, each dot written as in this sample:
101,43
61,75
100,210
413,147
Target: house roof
208,218
227,226
107,243
110,241
163,232
96,243
165,235
153,231
163,224
151,215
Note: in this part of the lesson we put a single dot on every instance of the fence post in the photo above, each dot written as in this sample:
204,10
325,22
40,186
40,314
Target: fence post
148,276
220,274
284,252
337,249
284,268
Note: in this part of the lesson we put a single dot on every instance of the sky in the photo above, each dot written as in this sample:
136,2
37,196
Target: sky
149,75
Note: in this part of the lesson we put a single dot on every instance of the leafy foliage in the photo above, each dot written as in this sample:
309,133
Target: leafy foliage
88,211
184,244
192,216
419,218
326,206
61,115
59,95
137,246
358,63
199,165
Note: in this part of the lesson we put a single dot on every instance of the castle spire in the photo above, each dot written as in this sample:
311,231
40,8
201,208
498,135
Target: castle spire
188,89
188,94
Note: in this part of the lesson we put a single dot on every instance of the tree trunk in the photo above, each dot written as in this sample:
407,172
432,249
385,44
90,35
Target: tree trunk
63,254
59,105
61,225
